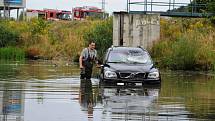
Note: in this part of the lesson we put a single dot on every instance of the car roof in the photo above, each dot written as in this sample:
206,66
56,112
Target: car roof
123,48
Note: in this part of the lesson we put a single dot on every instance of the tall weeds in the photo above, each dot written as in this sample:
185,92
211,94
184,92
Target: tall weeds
186,44
55,40
8,37
11,53
102,33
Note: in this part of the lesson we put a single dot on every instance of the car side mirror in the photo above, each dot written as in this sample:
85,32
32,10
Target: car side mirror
104,65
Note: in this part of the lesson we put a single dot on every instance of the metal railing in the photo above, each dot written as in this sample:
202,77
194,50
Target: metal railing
170,8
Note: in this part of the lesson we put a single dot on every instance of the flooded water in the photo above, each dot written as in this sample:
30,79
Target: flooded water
41,91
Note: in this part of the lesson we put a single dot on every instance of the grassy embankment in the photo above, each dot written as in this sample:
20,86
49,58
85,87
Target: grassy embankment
186,44
51,40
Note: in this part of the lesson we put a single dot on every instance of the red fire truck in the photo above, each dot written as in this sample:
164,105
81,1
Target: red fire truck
49,14
81,13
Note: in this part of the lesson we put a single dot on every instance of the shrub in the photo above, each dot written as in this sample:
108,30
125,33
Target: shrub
102,34
183,54
32,53
8,36
188,48
12,53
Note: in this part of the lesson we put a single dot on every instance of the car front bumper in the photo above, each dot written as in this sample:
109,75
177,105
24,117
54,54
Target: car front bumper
158,80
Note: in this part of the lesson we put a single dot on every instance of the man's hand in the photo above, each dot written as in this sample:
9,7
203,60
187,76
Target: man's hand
81,67
98,66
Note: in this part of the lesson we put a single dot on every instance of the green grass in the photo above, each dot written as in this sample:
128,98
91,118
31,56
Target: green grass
185,44
12,53
188,44
57,40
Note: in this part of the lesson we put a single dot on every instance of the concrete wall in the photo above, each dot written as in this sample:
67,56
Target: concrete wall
135,29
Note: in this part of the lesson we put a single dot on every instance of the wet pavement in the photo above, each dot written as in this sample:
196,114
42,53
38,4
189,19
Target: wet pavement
42,91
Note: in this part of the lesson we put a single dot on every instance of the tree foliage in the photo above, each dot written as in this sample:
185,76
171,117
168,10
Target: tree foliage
101,33
204,5
7,35
188,48
198,6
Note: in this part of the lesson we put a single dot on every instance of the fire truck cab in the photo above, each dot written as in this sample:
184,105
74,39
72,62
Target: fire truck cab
81,13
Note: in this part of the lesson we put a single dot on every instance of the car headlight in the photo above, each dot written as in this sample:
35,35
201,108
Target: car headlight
153,75
110,74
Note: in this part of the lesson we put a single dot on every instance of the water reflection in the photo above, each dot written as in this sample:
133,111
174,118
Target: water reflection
38,91
36,70
86,97
188,95
130,103
12,102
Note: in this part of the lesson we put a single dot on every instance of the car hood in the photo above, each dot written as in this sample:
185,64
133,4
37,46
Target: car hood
122,67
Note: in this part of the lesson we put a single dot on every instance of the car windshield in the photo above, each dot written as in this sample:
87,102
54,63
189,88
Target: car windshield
129,56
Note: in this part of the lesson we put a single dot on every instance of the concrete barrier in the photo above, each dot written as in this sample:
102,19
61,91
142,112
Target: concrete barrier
135,29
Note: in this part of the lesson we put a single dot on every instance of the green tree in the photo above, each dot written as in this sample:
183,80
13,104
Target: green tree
211,6
102,34
37,28
204,5
8,36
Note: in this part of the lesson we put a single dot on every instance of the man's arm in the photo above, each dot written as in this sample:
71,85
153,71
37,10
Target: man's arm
82,56
81,62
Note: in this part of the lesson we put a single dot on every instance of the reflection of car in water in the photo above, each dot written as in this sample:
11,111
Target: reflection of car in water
129,64
130,102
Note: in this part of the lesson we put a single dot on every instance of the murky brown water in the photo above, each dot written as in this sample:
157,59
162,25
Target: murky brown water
40,91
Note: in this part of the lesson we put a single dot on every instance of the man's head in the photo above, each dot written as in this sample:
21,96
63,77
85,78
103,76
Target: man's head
92,45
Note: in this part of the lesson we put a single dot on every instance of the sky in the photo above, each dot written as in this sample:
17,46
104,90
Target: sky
110,6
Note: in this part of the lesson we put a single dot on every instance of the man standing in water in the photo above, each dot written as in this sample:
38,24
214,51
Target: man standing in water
87,58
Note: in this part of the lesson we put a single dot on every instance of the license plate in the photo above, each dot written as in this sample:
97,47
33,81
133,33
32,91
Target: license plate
138,84
121,84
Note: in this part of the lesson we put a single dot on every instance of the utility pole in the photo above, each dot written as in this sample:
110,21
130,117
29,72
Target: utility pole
103,5
103,8
128,5
6,9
